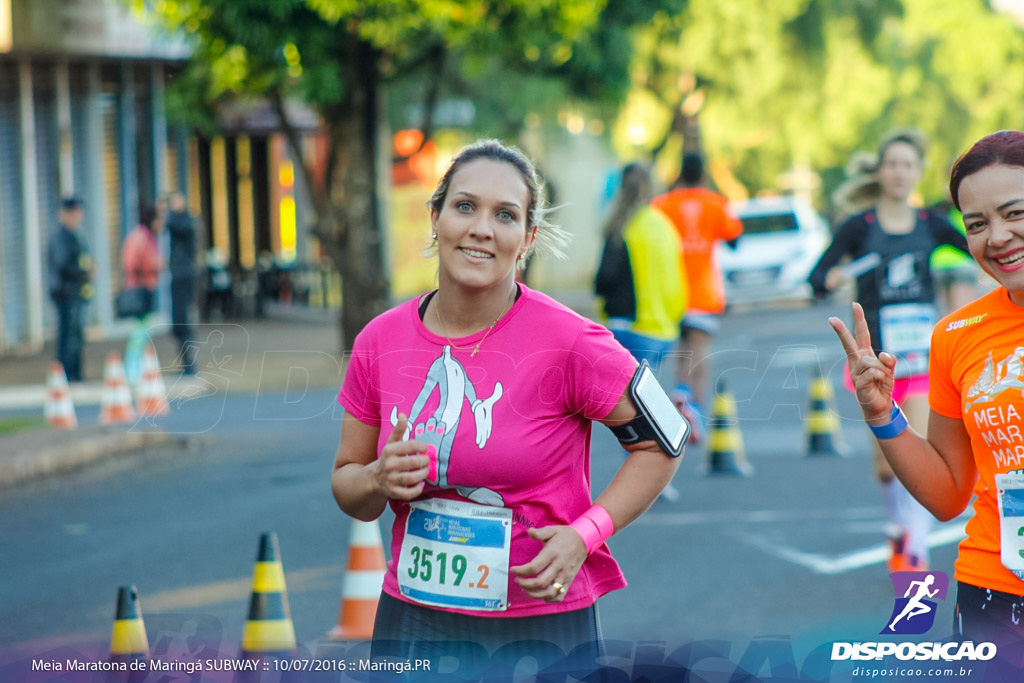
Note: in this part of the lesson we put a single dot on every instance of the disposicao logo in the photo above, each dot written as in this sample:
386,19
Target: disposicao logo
914,612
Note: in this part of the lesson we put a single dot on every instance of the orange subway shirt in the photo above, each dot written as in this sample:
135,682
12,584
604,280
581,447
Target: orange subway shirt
976,375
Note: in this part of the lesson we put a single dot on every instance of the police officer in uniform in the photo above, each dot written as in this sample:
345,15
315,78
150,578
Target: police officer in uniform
69,271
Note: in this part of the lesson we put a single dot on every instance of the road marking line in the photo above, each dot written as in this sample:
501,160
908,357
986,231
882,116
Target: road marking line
233,590
732,516
839,564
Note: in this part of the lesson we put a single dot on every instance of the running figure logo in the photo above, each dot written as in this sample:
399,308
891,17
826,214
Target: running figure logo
914,612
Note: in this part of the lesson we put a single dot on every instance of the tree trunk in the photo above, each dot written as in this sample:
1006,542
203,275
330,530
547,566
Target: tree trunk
357,193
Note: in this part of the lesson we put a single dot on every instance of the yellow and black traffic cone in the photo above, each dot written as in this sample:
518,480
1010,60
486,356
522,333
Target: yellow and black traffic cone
269,630
725,441
822,422
128,639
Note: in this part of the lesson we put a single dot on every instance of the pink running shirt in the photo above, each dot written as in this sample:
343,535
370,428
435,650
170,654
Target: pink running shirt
548,374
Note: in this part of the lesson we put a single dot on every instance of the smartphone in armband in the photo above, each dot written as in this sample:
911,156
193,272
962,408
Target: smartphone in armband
657,417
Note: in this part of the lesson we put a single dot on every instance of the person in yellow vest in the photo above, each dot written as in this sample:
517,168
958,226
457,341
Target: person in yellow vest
641,282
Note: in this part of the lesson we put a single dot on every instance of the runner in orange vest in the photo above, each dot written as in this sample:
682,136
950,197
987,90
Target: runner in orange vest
702,218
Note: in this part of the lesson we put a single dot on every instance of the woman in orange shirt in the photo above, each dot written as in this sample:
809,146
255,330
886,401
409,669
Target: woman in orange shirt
974,444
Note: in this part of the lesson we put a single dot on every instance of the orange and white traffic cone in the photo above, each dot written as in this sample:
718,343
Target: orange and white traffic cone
151,394
360,590
59,410
116,404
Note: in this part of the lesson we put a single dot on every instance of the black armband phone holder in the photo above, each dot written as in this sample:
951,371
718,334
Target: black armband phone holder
657,418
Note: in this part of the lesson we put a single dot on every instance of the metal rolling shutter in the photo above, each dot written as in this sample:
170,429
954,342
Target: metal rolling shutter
112,187
12,238
171,164
144,149
85,177
47,169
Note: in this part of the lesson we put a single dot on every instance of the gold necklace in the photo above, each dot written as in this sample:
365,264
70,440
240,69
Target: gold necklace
444,328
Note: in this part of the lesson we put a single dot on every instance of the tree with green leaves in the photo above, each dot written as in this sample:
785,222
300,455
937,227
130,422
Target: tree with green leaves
811,81
343,58
753,71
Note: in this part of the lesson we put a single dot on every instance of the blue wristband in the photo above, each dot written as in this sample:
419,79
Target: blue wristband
896,426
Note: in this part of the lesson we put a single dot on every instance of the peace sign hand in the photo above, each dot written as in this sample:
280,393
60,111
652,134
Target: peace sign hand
872,375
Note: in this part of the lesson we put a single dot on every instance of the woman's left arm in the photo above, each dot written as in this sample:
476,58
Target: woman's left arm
938,469
644,474
646,471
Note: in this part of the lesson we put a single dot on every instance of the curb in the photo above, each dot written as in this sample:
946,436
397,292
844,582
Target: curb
30,461
23,397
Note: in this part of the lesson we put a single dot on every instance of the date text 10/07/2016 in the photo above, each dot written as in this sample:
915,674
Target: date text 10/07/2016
393,666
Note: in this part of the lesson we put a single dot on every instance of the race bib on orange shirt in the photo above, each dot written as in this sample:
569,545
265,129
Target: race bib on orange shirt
1010,493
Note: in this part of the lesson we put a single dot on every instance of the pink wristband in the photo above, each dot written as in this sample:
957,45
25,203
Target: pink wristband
594,526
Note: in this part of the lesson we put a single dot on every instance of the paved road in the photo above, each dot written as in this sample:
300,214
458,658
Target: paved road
793,551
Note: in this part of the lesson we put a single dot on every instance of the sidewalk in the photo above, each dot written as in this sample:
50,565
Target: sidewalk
237,346
291,345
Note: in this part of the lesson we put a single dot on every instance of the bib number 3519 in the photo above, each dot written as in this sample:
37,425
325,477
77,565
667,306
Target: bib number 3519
443,568
456,554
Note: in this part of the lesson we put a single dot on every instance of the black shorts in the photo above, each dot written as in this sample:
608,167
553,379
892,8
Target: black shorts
989,616
565,641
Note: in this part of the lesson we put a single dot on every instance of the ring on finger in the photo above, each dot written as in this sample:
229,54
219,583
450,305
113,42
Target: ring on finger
559,587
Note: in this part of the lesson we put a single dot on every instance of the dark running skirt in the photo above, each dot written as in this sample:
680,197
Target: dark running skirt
472,647
989,616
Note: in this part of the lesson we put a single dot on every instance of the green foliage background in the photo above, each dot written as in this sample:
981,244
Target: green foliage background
812,81
788,81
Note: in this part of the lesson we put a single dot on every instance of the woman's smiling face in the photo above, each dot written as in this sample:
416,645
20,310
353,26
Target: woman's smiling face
481,226
992,202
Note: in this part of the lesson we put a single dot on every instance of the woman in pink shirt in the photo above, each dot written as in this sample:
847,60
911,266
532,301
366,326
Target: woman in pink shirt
141,263
468,411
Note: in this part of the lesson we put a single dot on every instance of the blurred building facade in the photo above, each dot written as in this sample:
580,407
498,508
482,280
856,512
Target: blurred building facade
81,112
82,93
82,89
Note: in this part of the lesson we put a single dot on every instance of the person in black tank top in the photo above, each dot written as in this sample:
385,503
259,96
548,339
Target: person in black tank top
889,244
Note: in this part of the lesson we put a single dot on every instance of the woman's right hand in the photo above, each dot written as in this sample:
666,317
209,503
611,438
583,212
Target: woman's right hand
403,465
835,278
872,375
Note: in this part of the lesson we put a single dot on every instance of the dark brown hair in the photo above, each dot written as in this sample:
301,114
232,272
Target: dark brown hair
1003,147
550,236
494,151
